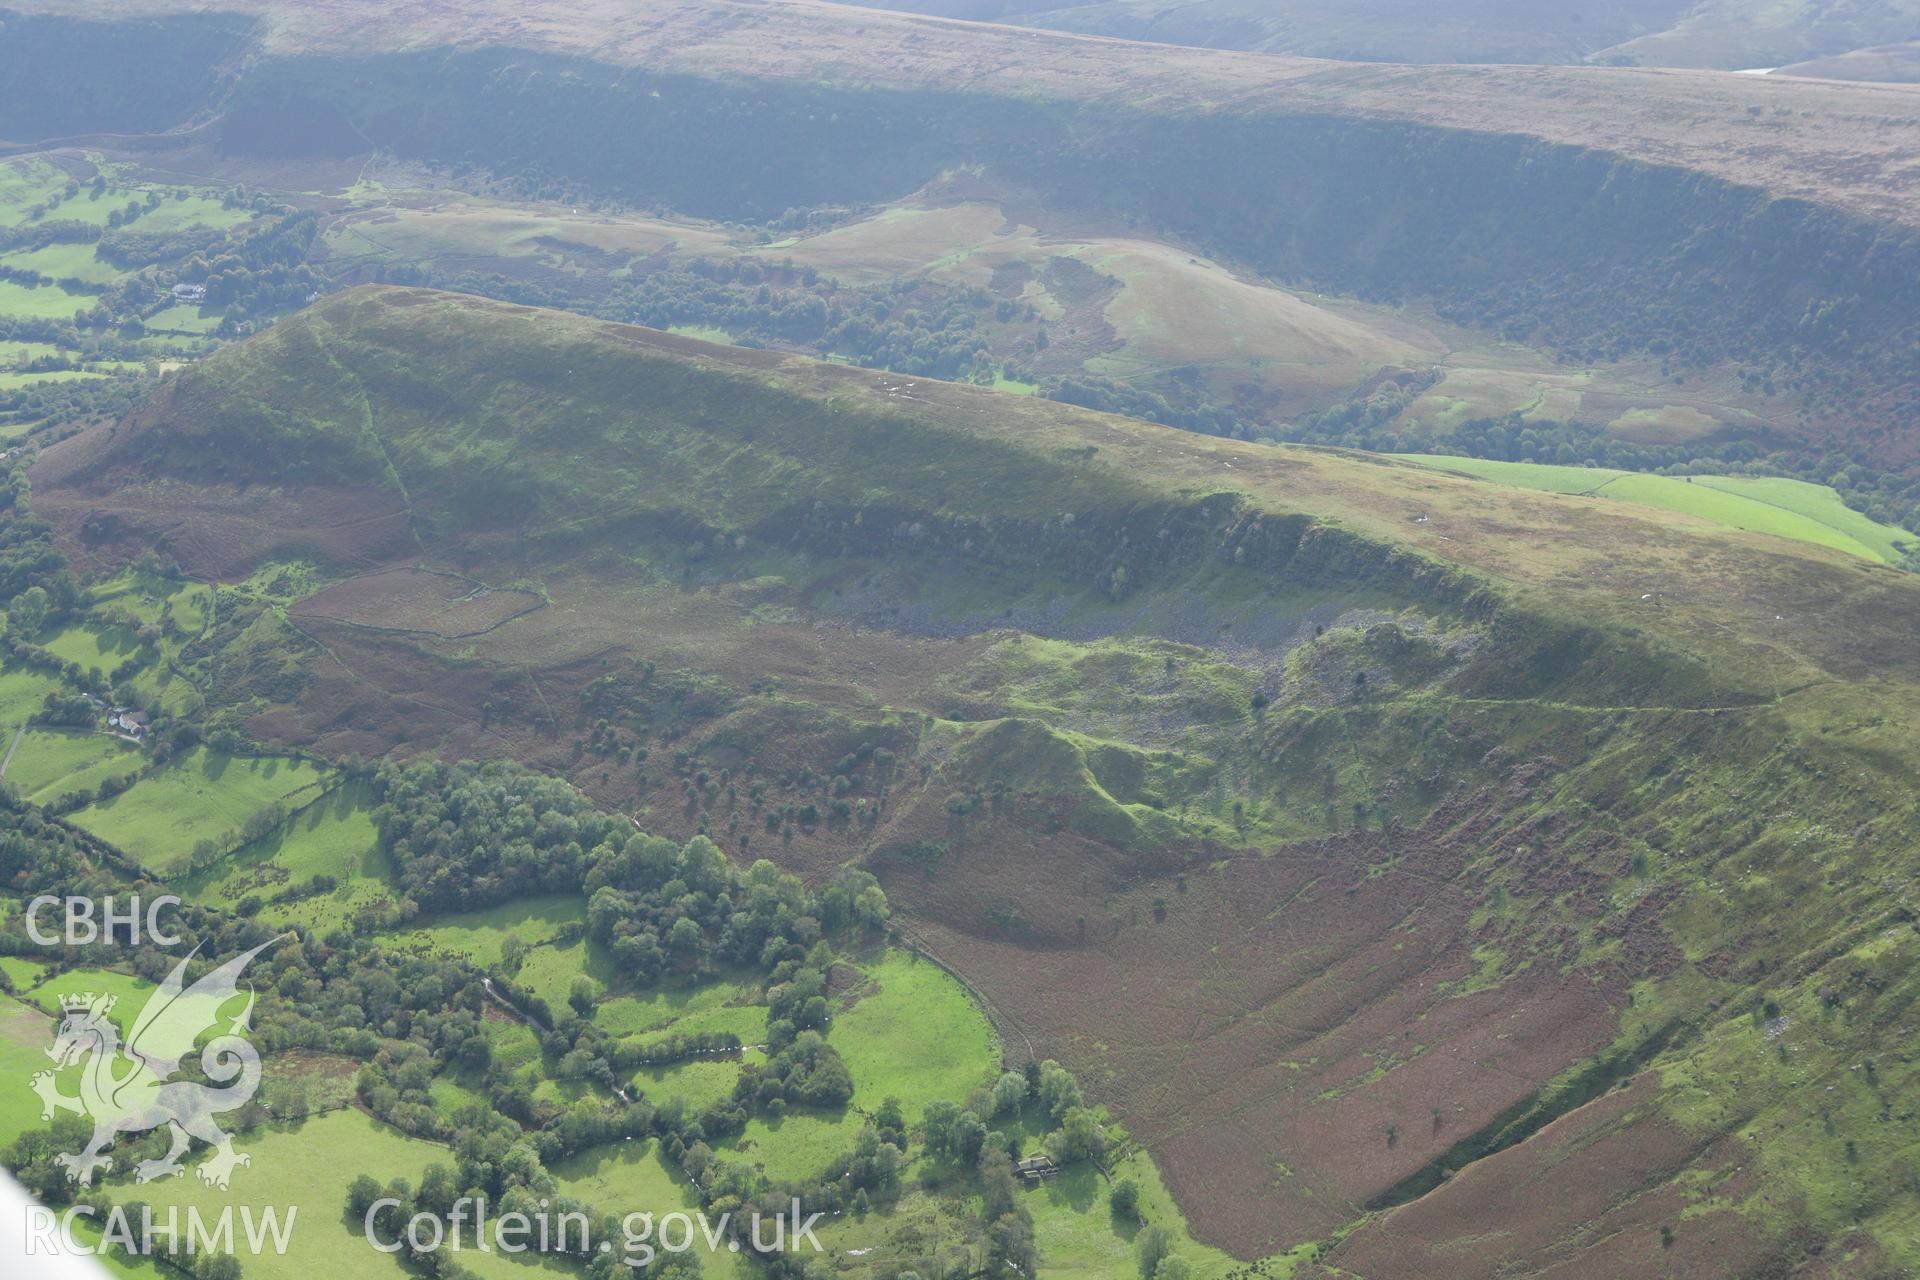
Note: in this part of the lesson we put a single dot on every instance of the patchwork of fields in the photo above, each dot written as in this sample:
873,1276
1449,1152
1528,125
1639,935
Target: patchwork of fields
104,279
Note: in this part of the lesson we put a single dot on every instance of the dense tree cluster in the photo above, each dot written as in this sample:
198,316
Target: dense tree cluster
464,836
1178,405
39,855
913,326
28,559
74,399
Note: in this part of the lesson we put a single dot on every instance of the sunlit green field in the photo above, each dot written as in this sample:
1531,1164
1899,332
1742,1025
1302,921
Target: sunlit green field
549,970
684,1008
1782,507
633,1177
332,836
64,261
14,381
308,1165
44,302
1816,502
22,690
87,645
49,763
24,1036
202,795
477,936
699,1083
129,993
918,1037
183,318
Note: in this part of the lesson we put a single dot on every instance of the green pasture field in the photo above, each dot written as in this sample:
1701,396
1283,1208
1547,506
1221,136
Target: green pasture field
633,1177
699,1082
798,1145
549,971
477,936
65,261
307,1164
49,763
13,381
679,1006
22,690
18,353
44,302
25,183
515,1044
1783,507
129,992
24,1036
22,972
332,836
1733,510
176,214
1816,502
1080,1238
183,318
919,1037
89,645
202,795
450,1094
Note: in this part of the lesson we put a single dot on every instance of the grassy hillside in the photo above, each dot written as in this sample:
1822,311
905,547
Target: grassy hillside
1317,807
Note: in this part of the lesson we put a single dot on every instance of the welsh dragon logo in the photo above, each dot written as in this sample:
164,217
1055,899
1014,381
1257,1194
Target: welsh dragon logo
131,1087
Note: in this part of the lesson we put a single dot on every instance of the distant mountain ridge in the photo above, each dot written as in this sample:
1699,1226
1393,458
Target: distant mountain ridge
1727,34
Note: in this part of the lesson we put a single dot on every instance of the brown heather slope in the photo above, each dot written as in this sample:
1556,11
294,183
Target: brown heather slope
1852,146
1701,588
1614,786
